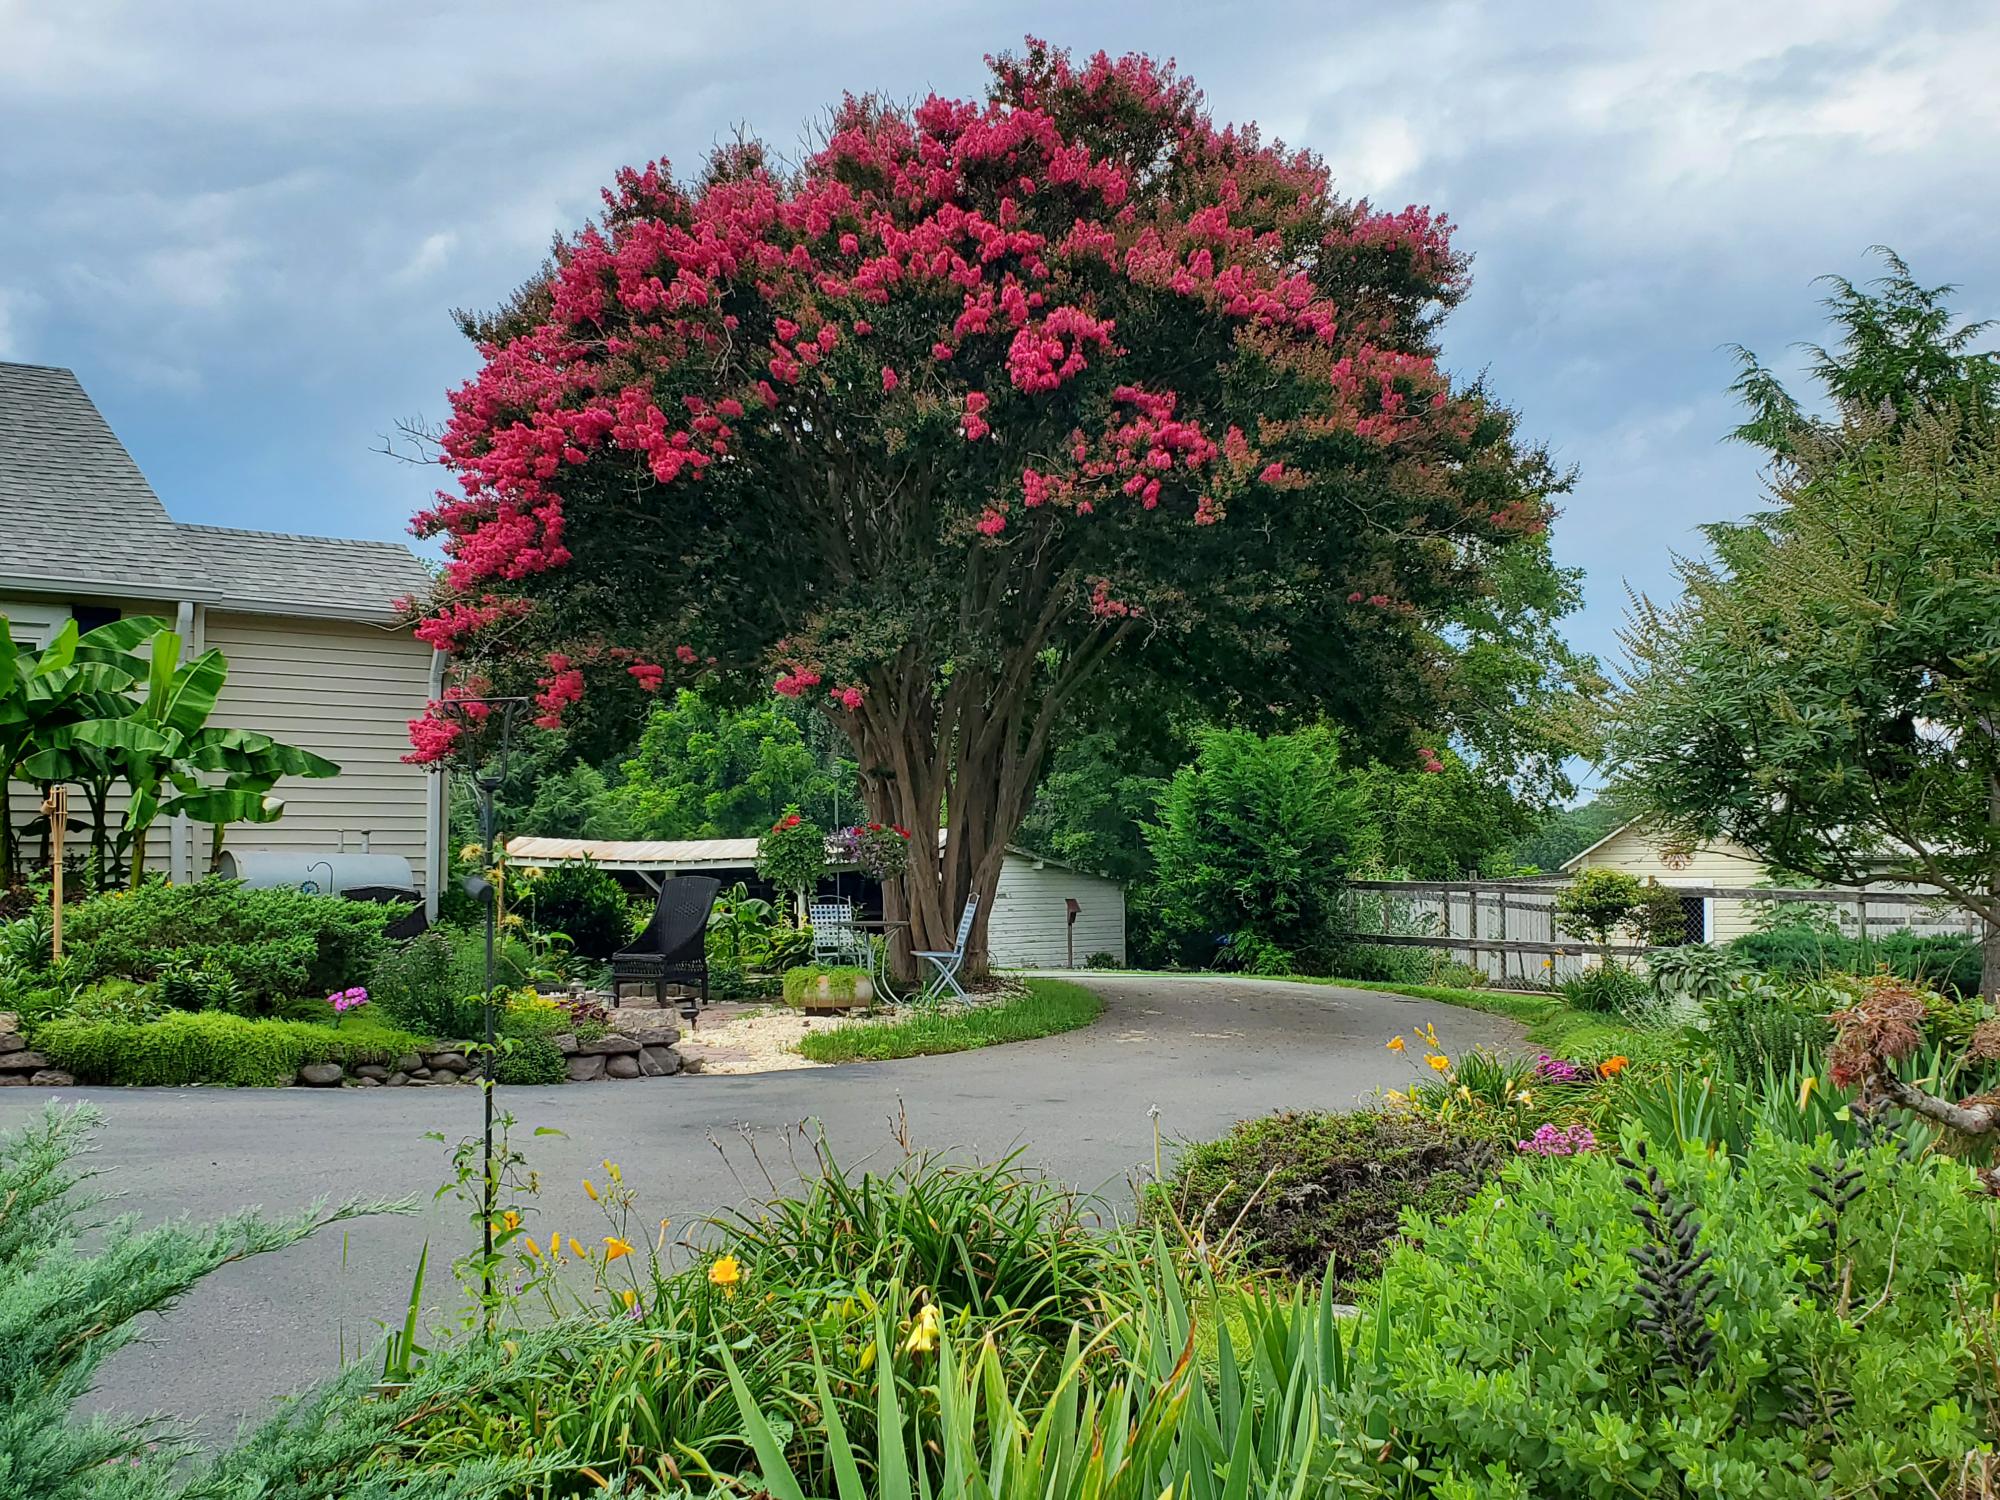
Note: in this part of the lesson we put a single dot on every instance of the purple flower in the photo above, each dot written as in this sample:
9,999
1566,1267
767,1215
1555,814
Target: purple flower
1557,1069
1556,1140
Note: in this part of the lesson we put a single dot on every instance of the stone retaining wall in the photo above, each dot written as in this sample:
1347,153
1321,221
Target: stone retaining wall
644,1050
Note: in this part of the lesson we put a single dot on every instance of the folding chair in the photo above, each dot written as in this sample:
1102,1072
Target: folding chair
947,965
834,937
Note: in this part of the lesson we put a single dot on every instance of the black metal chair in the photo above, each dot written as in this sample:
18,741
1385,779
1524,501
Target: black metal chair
674,947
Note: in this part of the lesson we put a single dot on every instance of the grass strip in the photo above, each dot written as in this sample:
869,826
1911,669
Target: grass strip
1049,1006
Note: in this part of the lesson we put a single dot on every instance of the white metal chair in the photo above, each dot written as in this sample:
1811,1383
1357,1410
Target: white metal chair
835,939
947,965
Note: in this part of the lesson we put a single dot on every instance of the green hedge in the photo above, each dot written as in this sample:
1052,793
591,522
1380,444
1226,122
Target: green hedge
271,943
209,1047
1941,961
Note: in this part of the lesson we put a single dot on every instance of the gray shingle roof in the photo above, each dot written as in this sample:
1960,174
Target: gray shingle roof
77,516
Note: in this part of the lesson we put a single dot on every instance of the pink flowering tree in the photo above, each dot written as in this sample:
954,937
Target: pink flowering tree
979,401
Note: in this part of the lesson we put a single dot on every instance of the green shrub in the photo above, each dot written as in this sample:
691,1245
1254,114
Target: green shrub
532,1059
1103,960
1599,902
1756,1025
578,900
208,1047
114,1000
1938,960
422,985
1691,973
268,943
1562,1339
1608,990
1311,1193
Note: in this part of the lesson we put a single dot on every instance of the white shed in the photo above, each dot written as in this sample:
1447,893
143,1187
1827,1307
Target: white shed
1028,928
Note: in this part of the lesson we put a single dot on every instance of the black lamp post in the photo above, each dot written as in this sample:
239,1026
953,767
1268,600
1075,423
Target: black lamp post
489,773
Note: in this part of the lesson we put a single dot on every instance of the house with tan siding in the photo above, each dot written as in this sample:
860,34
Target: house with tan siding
318,656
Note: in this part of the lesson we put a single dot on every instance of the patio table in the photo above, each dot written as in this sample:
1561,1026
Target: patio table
882,939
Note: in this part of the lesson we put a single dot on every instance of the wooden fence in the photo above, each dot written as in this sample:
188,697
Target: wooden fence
1508,929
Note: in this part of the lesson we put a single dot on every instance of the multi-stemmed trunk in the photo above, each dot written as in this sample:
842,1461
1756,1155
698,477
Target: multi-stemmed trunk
956,764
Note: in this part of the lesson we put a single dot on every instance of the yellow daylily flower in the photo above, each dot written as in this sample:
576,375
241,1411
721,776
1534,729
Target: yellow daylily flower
923,1331
590,1189
1806,1089
867,1360
1439,1062
511,1219
1396,1044
725,1273
615,1248
611,1168
630,1298
576,1248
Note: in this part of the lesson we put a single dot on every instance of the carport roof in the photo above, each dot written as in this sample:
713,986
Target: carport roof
680,854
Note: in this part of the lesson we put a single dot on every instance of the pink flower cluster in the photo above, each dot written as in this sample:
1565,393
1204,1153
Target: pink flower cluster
1557,1140
343,1001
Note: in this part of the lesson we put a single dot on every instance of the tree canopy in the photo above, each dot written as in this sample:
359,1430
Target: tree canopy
978,398
1827,689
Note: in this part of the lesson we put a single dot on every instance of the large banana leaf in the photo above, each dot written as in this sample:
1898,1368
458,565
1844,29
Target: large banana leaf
195,688
132,736
225,805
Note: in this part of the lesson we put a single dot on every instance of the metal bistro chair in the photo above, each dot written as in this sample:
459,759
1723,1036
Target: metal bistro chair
835,939
674,947
947,965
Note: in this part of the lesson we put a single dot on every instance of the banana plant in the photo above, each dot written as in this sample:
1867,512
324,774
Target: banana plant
174,761
45,693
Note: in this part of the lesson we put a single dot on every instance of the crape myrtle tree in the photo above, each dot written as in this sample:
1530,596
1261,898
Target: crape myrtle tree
1827,689
978,400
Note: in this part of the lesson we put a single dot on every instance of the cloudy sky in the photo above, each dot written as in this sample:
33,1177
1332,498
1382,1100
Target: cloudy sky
244,224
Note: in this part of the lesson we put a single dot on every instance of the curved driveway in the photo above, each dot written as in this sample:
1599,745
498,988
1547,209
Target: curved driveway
1203,1052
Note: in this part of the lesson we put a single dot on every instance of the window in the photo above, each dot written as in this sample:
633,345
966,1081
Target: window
89,616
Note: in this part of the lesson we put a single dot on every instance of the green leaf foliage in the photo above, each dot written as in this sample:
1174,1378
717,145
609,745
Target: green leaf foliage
1541,1348
274,944
208,1047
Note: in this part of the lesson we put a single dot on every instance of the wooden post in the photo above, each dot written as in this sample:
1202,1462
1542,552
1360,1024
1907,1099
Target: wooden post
1504,976
55,807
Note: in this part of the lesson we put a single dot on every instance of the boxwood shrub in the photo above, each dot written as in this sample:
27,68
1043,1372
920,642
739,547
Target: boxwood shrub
210,1047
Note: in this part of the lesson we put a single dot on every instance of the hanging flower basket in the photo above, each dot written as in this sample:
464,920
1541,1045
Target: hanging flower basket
881,851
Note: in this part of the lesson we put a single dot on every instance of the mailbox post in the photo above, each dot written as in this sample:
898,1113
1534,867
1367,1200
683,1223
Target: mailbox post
1070,902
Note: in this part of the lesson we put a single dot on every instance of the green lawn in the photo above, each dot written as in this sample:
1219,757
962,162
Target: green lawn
1049,1006
1552,1026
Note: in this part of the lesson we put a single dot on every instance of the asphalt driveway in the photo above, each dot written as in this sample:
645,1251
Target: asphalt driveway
1201,1052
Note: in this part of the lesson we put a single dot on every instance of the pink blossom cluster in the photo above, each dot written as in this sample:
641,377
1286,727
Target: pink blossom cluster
1006,237
343,1001
557,691
1558,1140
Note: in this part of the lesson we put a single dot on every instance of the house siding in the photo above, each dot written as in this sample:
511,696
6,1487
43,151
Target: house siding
342,690
1639,853
1028,925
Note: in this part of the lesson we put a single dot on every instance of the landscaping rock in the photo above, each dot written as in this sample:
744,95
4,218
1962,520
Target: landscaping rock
659,1062
691,1065
368,1083
565,1043
397,1080
409,1062
9,1022
608,1046
23,1062
586,1069
624,1065
13,1081
372,1073
450,1062
443,1076
321,1075
11,1041
53,1078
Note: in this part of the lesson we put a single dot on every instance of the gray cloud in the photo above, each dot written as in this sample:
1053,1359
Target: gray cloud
245,227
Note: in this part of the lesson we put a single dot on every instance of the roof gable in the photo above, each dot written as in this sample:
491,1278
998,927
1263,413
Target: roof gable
78,517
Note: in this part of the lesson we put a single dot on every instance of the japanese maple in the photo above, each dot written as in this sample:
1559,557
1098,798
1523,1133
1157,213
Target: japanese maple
980,398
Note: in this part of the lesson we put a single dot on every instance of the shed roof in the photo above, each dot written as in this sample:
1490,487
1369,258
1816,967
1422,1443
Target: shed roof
78,517
679,854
